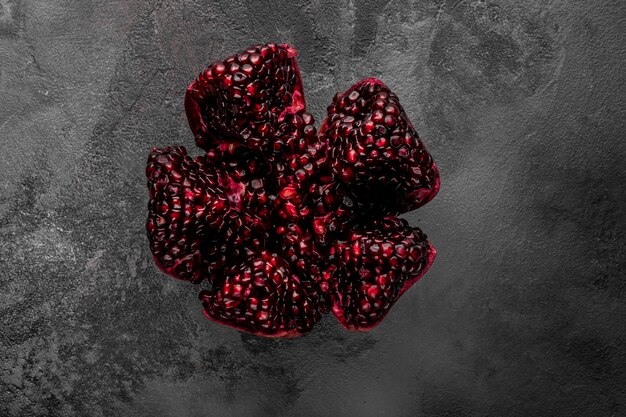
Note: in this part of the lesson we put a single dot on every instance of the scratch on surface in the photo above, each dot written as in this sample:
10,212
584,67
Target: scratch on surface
559,66
154,9
7,121
384,8
433,31
440,10
458,3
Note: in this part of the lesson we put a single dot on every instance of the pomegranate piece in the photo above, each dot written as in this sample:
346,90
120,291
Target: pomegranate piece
262,296
376,151
296,245
296,144
186,203
334,211
243,98
244,176
374,267
277,215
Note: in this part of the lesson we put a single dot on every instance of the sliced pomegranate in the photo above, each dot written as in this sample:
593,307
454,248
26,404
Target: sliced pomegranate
186,204
243,98
374,267
376,151
277,215
262,296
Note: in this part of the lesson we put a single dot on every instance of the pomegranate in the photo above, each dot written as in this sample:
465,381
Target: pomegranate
243,98
284,221
186,205
374,266
375,149
262,295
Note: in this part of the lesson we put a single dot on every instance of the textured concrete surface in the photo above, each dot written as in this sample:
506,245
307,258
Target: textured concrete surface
522,105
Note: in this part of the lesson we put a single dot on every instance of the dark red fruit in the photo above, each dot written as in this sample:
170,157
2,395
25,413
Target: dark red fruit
297,246
297,152
334,209
243,98
377,152
374,267
186,206
244,176
299,160
276,215
262,296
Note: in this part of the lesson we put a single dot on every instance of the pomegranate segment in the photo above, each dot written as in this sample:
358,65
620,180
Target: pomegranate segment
186,204
299,160
377,152
375,266
297,246
244,177
262,296
276,215
333,210
243,98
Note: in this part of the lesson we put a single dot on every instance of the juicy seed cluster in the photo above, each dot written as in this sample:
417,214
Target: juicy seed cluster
186,204
375,148
242,98
263,294
379,264
285,222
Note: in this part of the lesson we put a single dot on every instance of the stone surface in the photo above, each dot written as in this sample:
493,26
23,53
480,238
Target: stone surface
521,104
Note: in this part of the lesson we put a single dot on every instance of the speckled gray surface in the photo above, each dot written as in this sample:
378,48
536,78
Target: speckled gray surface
522,105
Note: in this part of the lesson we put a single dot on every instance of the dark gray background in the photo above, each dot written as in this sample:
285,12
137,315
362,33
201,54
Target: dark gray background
522,105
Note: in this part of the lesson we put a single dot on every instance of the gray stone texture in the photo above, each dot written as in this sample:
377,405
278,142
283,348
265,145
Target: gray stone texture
522,106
